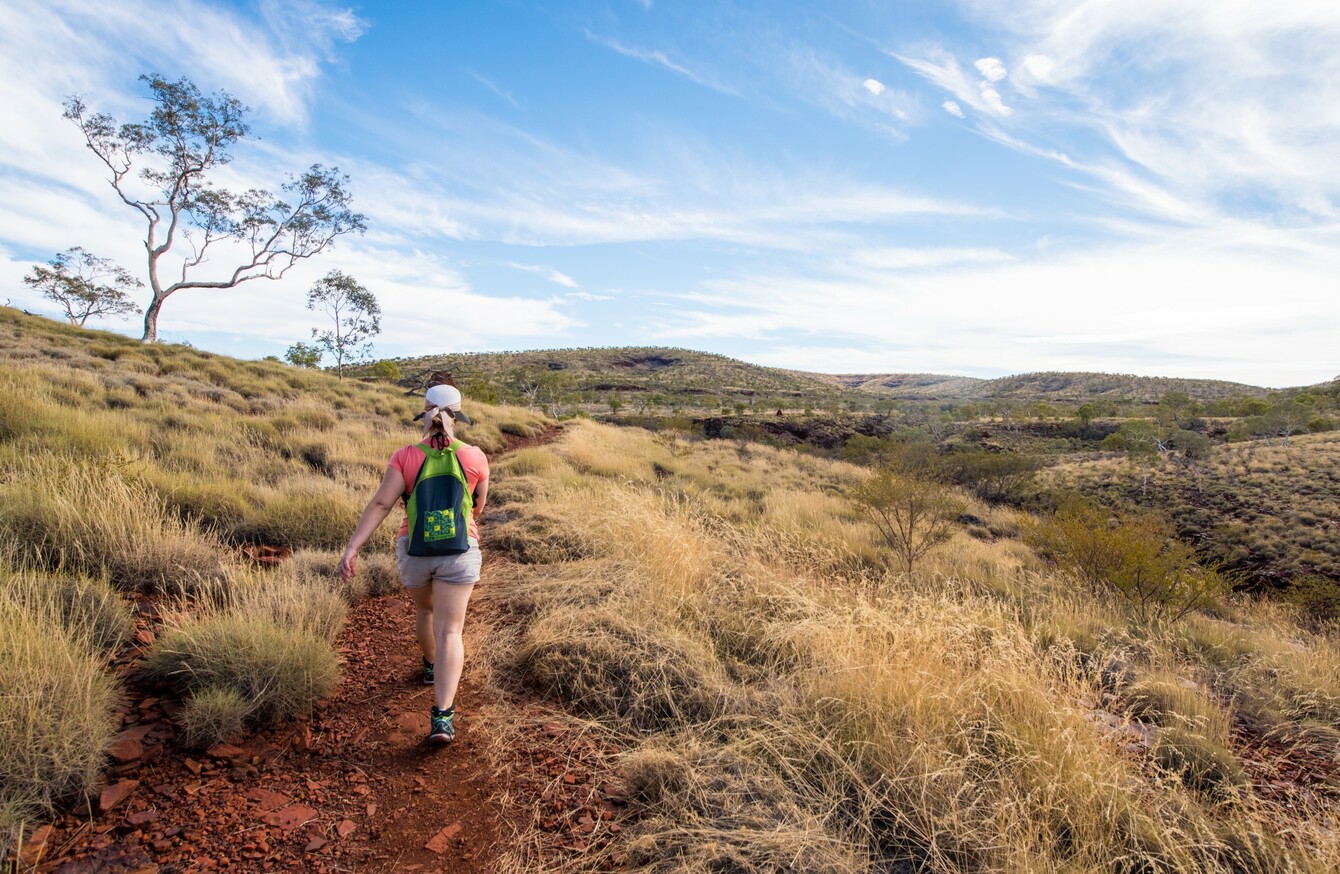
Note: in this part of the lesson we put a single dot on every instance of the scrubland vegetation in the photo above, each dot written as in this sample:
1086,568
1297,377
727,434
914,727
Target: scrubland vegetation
989,712
1054,682
133,468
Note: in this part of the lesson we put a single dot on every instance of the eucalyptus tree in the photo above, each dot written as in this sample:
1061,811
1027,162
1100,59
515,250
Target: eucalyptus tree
164,168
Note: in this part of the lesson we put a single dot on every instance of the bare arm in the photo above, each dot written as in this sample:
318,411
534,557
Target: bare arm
481,498
392,487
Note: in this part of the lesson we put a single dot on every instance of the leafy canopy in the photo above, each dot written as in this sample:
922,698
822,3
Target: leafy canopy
85,285
187,137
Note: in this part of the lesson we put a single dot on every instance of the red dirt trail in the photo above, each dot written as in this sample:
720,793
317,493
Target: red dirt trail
352,788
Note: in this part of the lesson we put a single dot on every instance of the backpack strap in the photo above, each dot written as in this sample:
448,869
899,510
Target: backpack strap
453,446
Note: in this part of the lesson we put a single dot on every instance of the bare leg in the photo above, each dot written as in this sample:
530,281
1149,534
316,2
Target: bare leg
423,619
448,622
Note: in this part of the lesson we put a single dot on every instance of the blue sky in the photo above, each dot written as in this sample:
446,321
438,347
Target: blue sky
979,187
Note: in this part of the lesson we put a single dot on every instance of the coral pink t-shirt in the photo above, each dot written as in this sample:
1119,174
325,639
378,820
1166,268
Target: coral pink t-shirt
409,461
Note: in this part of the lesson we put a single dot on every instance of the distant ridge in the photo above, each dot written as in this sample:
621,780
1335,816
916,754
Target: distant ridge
1077,386
637,369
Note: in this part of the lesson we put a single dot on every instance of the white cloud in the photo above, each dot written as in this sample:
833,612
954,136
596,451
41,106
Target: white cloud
548,273
874,86
939,67
1171,309
991,68
1039,68
991,97
658,58
587,296
1225,108
953,108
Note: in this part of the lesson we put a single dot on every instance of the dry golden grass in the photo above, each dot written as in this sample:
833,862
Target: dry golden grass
142,468
56,697
711,606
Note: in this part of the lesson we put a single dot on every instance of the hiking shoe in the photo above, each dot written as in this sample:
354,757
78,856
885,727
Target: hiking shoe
442,730
427,673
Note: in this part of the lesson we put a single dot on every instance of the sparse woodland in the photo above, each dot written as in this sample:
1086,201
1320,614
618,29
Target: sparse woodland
1055,684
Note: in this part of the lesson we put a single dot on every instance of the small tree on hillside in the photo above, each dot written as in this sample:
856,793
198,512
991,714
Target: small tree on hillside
913,515
85,286
1137,557
302,355
186,137
353,310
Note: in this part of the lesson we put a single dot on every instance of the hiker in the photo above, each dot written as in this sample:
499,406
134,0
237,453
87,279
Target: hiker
438,561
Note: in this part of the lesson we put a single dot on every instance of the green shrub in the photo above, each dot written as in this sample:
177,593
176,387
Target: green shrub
212,715
995,477
386,369
1317,596
1137,557
282,671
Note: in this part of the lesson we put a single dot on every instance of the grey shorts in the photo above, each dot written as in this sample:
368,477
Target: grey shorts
417,571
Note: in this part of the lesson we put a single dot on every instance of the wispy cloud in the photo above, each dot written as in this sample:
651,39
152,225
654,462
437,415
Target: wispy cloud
548,273
939,67
953,108
1211,112
495,88
658,58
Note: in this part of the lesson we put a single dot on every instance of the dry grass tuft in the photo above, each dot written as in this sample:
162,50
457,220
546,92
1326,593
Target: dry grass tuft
281,671
212,715
57,704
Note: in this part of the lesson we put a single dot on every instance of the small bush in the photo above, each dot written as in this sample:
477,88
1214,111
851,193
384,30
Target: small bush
386,369
282,671
1137,557
1317,596
212,715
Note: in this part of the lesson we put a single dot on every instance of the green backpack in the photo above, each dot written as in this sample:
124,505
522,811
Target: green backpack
439,505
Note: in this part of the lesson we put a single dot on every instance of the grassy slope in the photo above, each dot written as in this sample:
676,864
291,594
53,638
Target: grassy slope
670,371
707,608
133,467
1263,507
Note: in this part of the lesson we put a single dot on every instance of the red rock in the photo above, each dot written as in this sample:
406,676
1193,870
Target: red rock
116,793
125,749
372,810
439,842
345,828
148,703
143,817
35,847
267,800
192,765
570,778
552,729
145,636
226,751
316,843
290,817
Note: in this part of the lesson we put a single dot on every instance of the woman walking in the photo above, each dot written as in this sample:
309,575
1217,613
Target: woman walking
439,563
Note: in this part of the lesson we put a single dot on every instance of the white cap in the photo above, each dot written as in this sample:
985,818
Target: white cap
447,397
